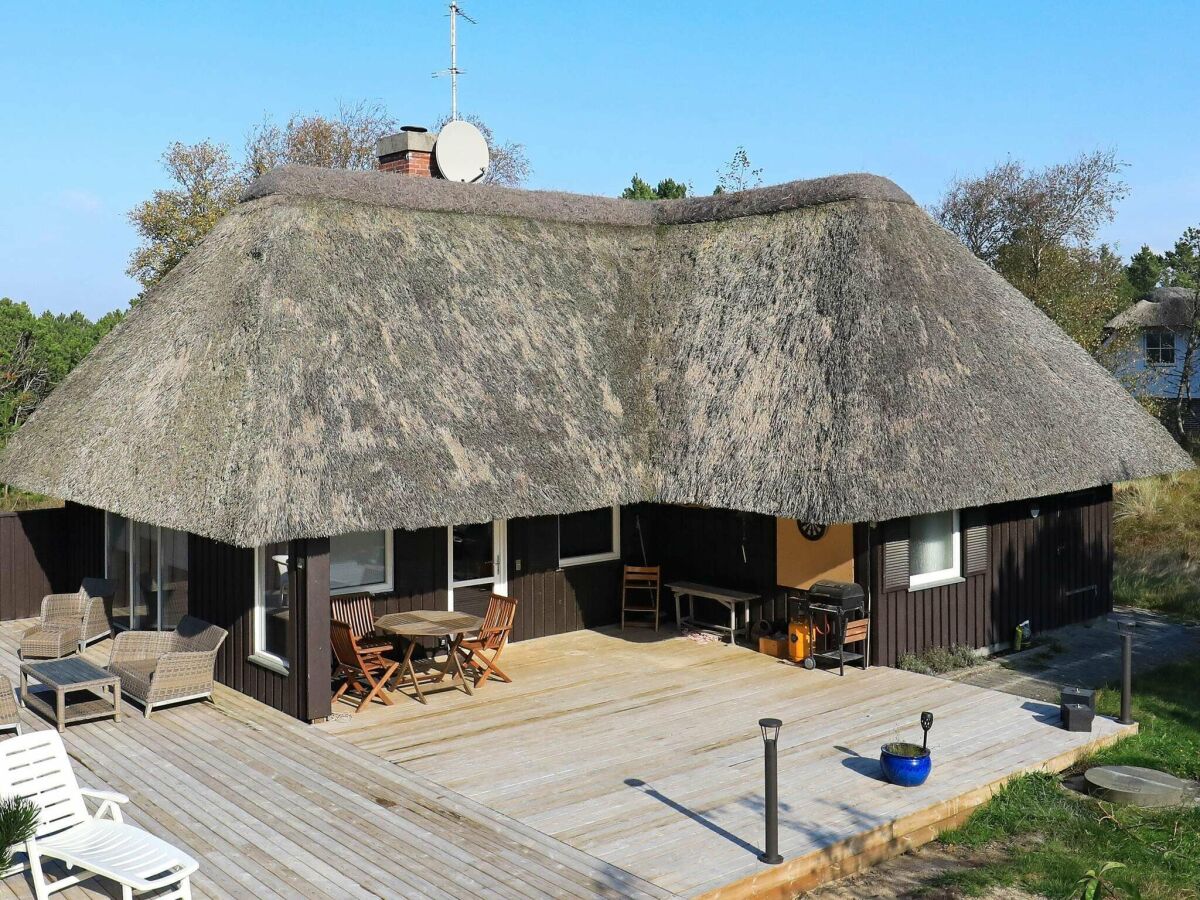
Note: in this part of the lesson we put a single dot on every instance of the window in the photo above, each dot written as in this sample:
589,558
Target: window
591,536
1160,347
471,556
933,550
272,599
149,566
360,562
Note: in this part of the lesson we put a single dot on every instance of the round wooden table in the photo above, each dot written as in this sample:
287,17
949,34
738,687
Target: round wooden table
435,623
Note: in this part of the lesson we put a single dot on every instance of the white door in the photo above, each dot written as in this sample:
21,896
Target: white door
477,564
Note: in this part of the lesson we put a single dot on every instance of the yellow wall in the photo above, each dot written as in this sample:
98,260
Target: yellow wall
800,562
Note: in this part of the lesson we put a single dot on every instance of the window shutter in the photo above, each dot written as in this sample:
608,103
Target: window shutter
975,542
895,555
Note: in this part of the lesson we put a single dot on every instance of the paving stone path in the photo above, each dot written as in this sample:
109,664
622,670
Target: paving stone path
1085,655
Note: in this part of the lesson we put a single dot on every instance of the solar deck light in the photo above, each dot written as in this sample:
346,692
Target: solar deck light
770,734
1126,717
926,724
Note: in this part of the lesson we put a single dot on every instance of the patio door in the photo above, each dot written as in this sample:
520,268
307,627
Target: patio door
477,564
149,568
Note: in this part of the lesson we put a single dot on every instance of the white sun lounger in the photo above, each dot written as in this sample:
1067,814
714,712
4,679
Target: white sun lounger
36,766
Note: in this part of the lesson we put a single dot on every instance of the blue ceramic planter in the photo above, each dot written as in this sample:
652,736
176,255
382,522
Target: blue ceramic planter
901,767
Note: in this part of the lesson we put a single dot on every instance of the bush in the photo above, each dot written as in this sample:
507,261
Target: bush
18,822
938,660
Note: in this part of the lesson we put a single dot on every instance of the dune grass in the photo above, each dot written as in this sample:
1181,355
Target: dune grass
1157,544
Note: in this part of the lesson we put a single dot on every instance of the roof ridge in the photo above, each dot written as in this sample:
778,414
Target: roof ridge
439,195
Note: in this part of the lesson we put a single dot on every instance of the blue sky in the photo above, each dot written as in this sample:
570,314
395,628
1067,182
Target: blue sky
91,94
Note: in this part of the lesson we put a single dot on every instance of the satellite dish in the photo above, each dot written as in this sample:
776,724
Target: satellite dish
460,152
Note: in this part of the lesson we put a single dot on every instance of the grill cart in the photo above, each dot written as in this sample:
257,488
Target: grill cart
833,613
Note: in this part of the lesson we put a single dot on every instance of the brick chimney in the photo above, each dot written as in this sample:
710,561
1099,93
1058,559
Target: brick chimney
408,153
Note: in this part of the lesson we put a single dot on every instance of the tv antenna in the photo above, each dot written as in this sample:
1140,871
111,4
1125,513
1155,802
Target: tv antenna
454,71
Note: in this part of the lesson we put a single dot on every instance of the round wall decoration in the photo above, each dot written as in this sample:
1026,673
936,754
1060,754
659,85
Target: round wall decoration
812,530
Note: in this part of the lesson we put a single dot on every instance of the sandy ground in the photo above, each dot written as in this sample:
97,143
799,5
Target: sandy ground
910,876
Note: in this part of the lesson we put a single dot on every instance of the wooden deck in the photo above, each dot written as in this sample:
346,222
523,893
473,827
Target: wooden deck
645,753
273,808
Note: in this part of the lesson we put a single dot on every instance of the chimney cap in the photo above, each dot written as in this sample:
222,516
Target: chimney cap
414,129
419,141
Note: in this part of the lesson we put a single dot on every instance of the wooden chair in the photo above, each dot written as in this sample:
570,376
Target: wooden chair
856,632
483,650
357,612
641,578
355,667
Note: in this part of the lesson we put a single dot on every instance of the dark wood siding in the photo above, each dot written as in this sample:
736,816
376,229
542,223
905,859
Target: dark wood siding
713,546
46,551
551,599
221,583
1052,570
221,591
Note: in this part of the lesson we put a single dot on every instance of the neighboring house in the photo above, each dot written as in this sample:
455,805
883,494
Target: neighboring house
1145,347
432,391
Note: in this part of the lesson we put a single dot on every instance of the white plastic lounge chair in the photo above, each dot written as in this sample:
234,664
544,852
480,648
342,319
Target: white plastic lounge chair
35,766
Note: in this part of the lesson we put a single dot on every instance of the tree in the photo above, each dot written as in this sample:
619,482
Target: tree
175,220
344,141
738,174
1145,271
667,189
1036,227
509,165
36,353
207,182
1183,265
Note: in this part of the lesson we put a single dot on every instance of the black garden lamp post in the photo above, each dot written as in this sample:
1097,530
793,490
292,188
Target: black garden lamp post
770,733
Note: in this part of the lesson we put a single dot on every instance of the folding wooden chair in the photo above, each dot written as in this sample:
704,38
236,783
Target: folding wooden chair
355,667
357,612
641,578
483,650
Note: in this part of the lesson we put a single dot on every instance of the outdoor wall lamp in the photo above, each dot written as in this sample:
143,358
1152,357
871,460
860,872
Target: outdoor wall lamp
1034,511
770,735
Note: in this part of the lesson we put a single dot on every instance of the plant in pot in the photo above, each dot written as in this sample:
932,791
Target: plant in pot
905,764
18,823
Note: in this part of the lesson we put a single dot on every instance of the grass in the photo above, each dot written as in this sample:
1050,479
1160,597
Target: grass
938,660
1157,544
1053,836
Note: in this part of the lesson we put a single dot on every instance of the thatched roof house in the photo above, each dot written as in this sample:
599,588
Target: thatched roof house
353,351
1164,307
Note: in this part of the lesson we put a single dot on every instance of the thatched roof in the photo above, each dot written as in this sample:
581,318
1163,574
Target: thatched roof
350,351
1166,307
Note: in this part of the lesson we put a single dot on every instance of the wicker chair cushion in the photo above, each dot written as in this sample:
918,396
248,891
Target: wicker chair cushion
135,675
50,641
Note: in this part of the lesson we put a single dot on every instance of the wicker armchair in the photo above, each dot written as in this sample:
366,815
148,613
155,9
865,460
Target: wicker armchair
10,714
161,667
59,632
96,622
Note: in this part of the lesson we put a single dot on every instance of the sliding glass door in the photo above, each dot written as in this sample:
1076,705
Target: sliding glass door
149,566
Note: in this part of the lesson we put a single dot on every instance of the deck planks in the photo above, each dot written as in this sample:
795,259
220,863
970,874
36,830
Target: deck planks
591,711
274,808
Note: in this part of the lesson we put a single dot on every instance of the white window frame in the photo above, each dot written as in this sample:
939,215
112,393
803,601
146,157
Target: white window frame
942,576
614,553
258,655
1166,334
499,579
380,587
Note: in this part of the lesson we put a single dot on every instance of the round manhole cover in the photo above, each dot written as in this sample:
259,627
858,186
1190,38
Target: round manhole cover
1134,786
